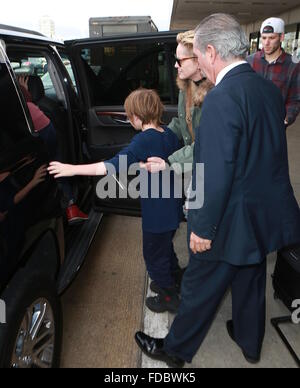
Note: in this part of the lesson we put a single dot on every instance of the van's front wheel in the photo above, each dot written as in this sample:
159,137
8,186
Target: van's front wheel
32,336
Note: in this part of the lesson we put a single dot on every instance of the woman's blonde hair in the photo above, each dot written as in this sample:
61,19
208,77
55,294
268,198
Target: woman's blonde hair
146,105
186,39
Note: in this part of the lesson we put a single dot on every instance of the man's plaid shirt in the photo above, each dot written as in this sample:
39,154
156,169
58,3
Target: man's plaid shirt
285,74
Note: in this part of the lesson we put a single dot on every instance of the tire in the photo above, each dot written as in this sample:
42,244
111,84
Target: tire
32,335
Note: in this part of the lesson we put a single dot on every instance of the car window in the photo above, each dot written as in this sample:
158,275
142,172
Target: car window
114,71
28,64
14,125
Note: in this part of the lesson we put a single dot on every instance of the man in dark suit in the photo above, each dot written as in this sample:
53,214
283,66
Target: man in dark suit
249,206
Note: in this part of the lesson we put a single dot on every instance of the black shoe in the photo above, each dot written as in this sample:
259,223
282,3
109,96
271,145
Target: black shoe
251,360
154,348
178,275
154,287
164,301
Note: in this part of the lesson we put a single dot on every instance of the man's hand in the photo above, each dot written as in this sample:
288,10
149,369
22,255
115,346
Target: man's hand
154,165
199,245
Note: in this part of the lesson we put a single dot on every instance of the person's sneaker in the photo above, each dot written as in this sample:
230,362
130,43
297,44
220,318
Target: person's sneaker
154,287
178,275
165,301
75,216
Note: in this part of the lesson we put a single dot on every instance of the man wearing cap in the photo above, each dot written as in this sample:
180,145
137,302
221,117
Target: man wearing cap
275,64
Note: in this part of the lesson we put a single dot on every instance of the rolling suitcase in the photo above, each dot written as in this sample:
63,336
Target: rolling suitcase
286,278
286,283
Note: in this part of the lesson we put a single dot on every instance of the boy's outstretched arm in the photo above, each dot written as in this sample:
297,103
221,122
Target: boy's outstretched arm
60,170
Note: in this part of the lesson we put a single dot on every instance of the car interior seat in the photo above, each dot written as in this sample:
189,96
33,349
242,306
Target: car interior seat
53,110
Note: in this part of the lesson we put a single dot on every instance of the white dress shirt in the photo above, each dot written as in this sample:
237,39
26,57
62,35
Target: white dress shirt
227,69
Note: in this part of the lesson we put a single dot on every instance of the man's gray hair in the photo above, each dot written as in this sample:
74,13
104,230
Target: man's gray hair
225,34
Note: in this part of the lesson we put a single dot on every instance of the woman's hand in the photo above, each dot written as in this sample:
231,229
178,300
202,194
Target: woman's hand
39,176
4,175
154,164
2,216
60,170
23,81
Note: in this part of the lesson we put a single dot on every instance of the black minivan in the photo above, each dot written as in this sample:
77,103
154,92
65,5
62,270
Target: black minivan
81,86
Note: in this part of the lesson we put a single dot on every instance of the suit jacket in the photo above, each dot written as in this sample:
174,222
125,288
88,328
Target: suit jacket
249,206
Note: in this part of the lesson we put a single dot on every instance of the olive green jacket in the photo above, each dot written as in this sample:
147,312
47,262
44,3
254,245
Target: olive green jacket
179,126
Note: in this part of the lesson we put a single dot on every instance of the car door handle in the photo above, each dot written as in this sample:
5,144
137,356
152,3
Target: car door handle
119,121
116,117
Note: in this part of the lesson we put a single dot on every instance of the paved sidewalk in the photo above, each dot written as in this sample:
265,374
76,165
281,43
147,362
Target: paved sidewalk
103,308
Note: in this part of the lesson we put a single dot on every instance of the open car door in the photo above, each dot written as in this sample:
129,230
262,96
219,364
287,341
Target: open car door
106,72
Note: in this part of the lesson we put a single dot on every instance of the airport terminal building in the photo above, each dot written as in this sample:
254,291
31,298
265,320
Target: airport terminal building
187,14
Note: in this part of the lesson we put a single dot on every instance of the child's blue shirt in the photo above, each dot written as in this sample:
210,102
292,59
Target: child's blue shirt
159,214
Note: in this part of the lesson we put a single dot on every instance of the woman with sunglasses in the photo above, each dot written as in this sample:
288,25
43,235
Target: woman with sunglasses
193,88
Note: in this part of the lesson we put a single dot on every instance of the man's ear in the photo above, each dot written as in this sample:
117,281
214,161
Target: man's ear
281,38
211,54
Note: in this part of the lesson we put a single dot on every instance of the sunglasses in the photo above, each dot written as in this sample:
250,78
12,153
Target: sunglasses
180,60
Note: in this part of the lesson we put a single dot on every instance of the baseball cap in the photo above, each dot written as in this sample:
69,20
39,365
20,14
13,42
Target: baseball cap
272,26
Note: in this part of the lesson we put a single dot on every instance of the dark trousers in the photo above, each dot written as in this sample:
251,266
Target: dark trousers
48,135
160,258
203,288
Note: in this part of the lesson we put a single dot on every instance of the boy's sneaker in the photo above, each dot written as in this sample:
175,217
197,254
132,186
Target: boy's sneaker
167,300
178,275
155,288
75,216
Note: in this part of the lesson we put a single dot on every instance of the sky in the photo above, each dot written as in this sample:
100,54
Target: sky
71,18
